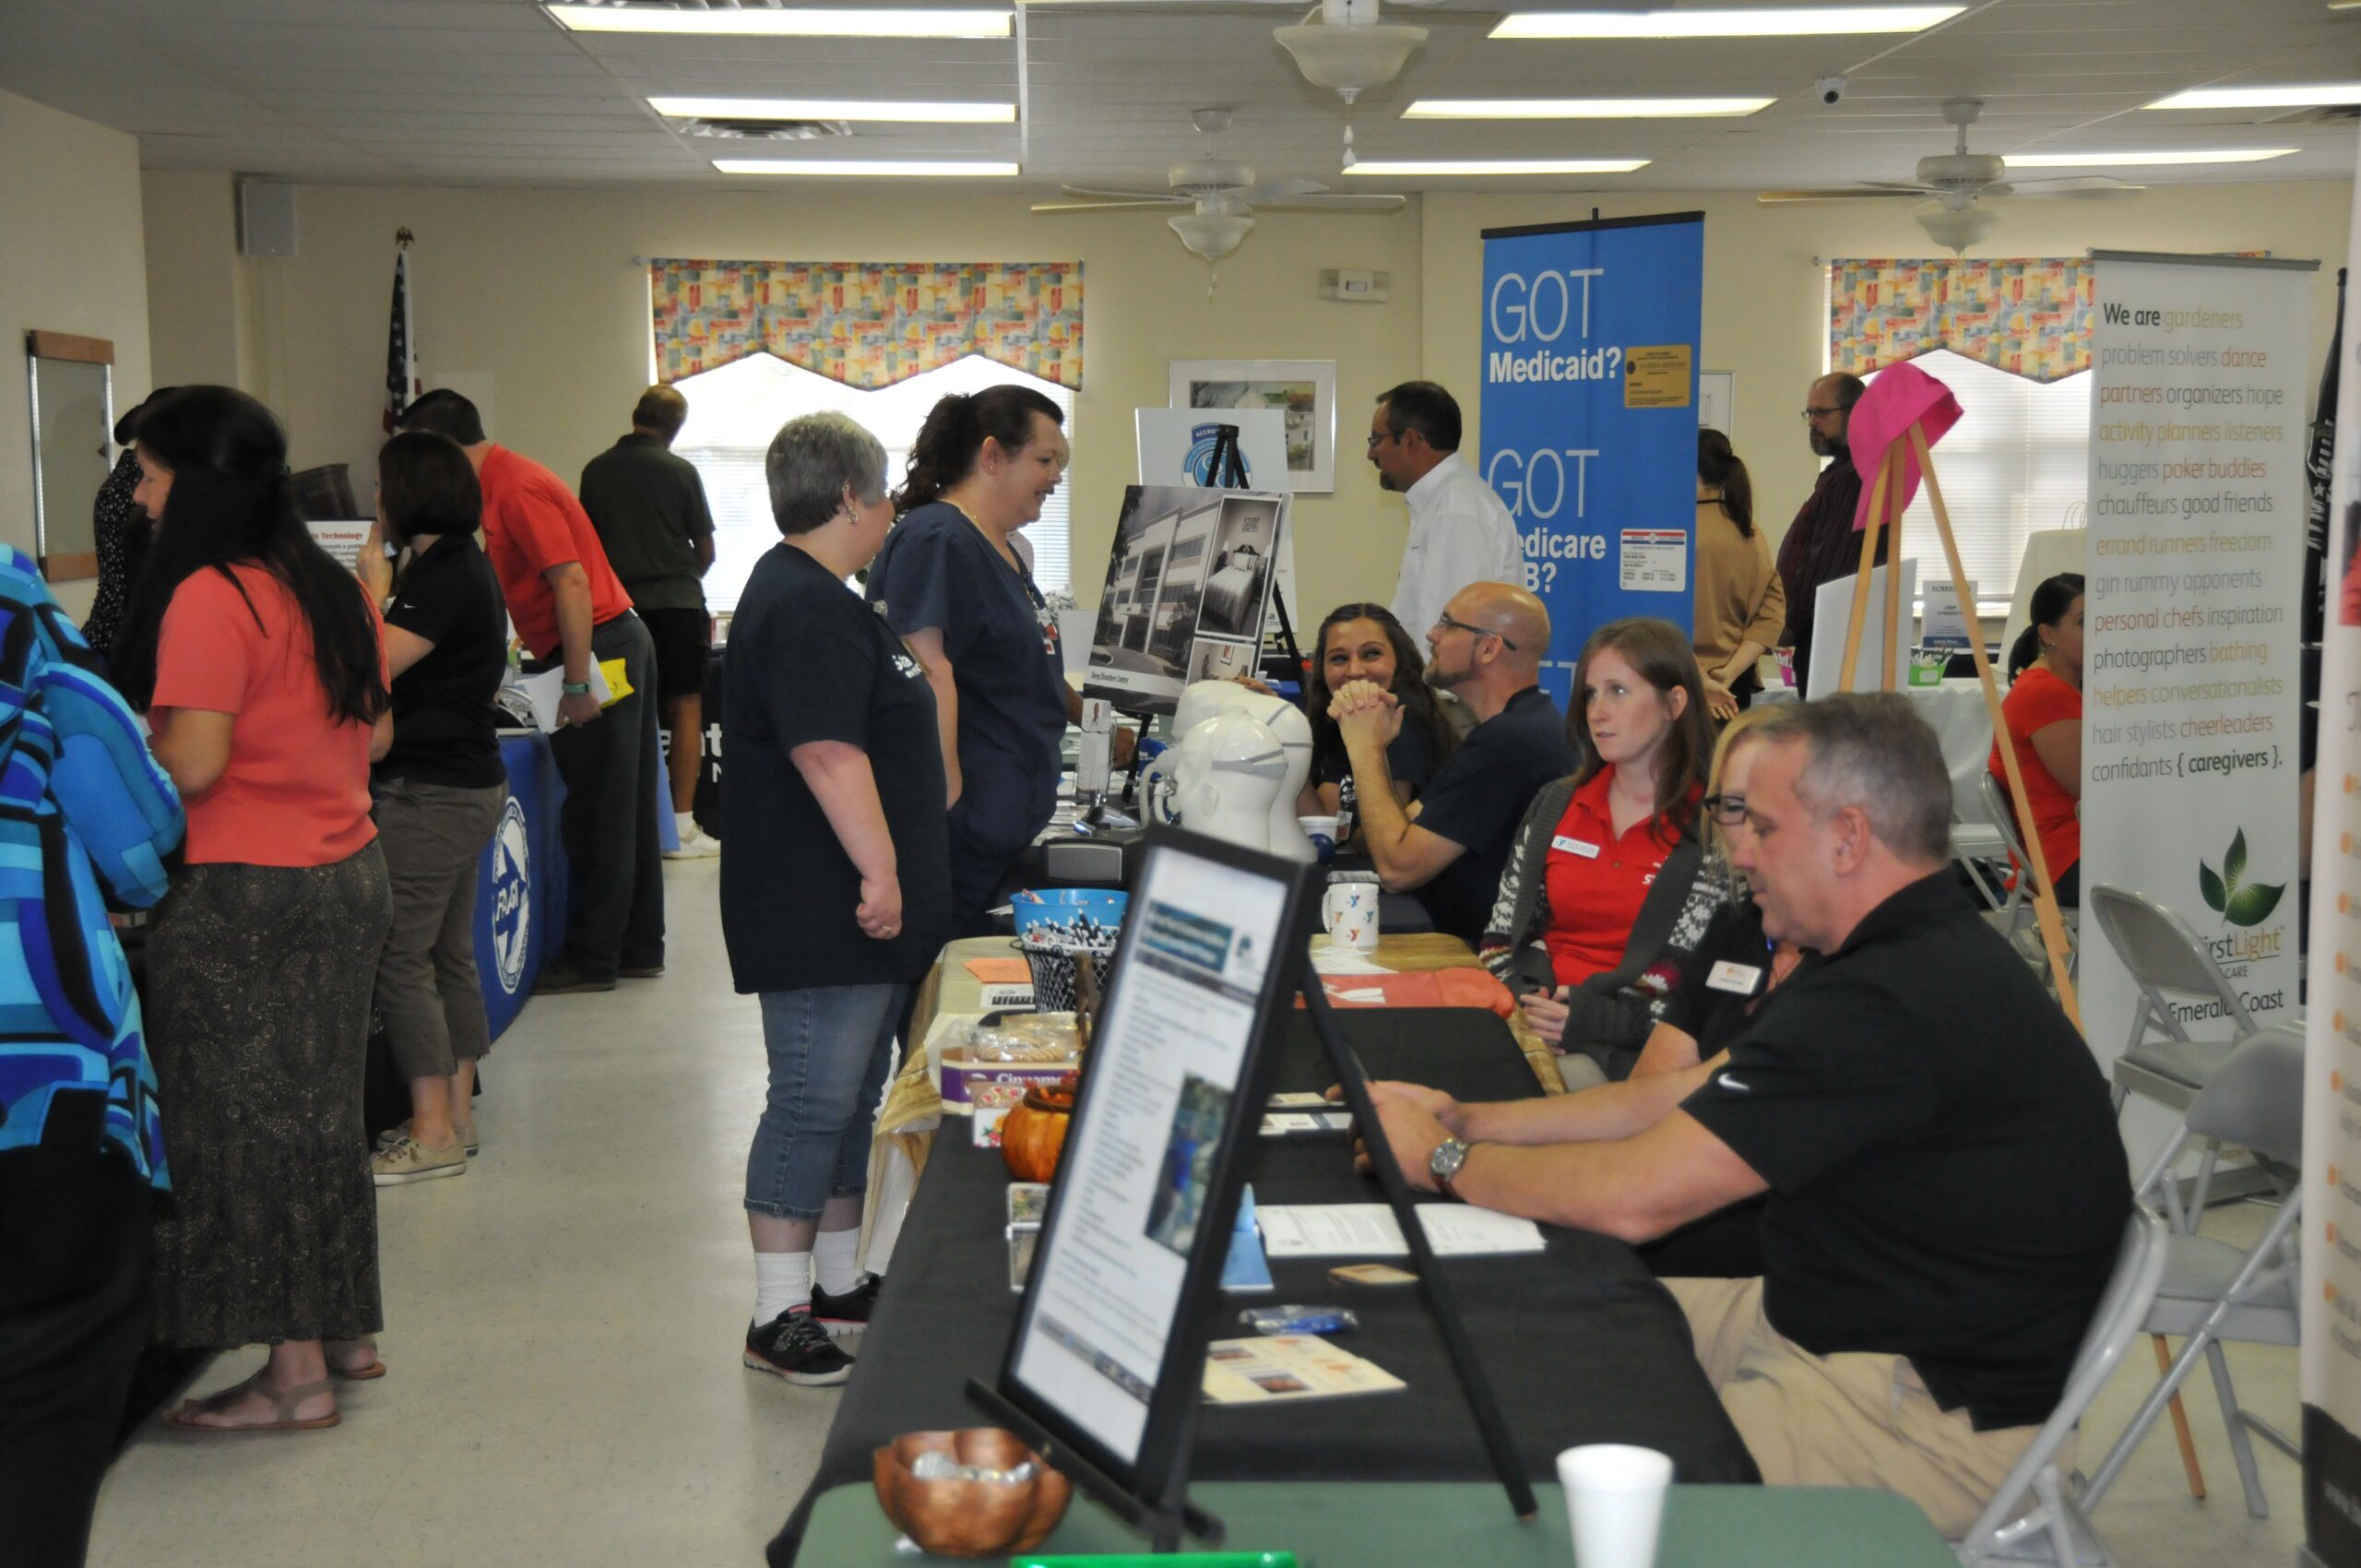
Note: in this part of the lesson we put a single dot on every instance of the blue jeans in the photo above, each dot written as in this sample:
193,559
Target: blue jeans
828,1047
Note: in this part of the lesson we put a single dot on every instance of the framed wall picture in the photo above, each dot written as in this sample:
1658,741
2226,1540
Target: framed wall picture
1304,390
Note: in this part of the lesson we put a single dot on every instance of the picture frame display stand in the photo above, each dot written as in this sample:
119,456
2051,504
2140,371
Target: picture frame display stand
1227,468
1167,1519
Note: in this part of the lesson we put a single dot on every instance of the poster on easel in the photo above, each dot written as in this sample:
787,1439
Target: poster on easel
1188,590
1590,397
1177,446
2330,1300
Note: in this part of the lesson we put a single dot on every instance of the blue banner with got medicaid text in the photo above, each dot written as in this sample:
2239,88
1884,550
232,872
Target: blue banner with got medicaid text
1590,416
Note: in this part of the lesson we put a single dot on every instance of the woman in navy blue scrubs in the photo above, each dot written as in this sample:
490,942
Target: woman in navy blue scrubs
953,588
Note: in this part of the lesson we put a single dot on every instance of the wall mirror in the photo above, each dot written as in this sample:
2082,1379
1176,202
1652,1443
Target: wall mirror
72,387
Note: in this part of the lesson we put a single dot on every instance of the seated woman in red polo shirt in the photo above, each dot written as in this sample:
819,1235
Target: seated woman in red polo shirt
2044,713
1606,861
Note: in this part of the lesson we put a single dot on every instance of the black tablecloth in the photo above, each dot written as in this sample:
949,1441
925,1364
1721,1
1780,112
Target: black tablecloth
1581,1344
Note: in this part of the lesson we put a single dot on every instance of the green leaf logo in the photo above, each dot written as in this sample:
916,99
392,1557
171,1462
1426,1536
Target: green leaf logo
2240,903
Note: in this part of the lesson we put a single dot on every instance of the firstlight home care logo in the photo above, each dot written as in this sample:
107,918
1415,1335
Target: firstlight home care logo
2238,902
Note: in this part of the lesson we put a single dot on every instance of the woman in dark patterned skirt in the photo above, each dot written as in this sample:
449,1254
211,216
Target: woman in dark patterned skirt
261,662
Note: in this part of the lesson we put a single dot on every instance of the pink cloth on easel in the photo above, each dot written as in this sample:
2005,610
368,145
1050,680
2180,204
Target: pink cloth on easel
1902,396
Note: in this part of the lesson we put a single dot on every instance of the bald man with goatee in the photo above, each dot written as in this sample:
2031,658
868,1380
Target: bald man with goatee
1485,648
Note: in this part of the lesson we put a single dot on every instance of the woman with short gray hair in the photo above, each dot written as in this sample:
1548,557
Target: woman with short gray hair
835,891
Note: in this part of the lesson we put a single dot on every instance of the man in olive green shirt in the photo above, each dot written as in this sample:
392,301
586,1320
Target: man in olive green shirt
650,508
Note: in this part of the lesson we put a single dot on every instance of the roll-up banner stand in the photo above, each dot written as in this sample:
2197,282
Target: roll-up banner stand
2193,568
2330,1297
1589,400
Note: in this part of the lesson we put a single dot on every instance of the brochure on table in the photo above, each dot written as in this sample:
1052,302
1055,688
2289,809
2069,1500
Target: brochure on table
1107,1352
1189,585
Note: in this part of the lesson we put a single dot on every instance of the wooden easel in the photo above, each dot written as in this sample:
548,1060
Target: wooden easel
1885,512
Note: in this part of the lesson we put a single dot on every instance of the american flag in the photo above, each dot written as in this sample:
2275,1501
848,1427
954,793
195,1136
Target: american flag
401,348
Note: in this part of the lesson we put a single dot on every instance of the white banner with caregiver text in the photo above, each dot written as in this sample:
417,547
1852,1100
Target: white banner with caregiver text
2192,570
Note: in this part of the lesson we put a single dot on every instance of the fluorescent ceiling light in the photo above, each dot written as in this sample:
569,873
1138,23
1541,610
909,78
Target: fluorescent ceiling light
1579,108
1413,167
797,22
1786,21
2262,97
874,167
832,109
2142,160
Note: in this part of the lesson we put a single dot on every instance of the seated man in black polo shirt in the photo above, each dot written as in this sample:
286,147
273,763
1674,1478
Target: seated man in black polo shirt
1947,1189
1450,845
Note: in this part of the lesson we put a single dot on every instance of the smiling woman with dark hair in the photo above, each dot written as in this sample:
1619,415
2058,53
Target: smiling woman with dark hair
2043,714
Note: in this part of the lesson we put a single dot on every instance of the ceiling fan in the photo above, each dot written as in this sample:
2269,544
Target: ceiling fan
1220,197
1956,181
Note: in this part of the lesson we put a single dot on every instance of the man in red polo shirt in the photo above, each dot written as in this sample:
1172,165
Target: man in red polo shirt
570,608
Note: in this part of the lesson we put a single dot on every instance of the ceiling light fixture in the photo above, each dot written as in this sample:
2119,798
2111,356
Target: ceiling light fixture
1405,168
2143,159
887,167
2306,97
1348,49
1956,229
832,109
1581,108
797,22
1790,21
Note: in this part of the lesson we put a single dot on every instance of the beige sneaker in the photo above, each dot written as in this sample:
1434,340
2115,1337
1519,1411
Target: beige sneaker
400,1131
411,1161
697,844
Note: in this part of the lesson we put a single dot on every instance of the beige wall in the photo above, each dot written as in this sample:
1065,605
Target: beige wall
532,296
71,260
1764,292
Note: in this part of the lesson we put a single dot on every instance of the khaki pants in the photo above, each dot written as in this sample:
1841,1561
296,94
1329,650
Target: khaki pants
1853,1419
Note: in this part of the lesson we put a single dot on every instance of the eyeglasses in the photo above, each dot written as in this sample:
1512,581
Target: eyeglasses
1819,413
1377,438
1477,631
1728,810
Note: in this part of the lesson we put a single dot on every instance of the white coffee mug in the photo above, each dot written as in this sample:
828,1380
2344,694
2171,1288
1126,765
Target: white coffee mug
1348,910
1614,1502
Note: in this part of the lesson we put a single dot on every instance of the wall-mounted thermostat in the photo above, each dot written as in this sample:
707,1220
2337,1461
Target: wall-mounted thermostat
1355,288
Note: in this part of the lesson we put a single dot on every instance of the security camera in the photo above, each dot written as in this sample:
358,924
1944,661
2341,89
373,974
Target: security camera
1829,90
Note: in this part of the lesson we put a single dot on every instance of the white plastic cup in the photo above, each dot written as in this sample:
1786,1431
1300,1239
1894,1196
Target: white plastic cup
1614,1502
1322,831
1348,910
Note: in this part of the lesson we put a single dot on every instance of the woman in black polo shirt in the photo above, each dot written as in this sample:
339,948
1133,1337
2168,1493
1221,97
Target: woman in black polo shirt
439,792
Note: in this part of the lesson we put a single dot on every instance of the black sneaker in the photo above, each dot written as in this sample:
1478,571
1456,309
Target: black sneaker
847,1313
558,977
794,1346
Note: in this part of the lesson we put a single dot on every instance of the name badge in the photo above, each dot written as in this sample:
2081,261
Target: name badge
1574,847
1742,979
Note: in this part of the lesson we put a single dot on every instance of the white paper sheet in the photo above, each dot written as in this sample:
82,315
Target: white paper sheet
544,690
1368,1230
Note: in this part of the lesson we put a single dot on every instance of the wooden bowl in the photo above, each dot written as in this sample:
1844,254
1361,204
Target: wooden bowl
1032,1134
965,1518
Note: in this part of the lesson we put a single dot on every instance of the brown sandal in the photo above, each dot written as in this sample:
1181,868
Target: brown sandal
282,1406
369,1373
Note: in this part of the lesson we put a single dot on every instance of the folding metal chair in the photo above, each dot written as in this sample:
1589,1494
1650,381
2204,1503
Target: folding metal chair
2167,959
2017,910
2054,1528
2211,1291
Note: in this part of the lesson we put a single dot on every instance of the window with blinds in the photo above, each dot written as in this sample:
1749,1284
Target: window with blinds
735,411
2017,464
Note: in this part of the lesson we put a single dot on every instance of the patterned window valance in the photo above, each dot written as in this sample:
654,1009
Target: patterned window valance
2028,316
869,323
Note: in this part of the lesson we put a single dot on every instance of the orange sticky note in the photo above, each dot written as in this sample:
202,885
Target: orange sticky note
1001,971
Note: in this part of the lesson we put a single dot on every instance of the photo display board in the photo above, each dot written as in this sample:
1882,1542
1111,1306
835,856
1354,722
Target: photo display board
1109,1350
1188,584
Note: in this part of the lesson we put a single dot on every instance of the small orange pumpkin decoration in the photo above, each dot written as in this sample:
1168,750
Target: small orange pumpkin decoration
1034,1132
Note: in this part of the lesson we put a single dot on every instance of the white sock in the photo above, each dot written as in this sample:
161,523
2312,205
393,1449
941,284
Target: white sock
834,1260
781,1280
685,826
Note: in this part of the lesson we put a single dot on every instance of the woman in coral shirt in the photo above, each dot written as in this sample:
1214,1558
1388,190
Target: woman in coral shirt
2044,712
260,660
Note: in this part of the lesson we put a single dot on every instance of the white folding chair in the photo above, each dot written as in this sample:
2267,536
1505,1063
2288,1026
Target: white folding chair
2211,1291
2018,911
2167,959
2054,1528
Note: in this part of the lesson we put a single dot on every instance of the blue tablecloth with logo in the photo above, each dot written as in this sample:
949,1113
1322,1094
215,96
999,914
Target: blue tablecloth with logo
521,891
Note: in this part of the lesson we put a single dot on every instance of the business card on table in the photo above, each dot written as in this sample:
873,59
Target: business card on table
997,996
1298,1099
986,1124
1028,1204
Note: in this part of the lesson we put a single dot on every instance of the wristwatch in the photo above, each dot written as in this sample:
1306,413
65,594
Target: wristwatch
574,688
1444,1163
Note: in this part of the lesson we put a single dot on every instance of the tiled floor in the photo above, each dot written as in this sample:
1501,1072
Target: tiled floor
564,1325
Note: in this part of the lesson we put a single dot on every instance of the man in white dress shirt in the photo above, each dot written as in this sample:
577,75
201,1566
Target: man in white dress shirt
1460,533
